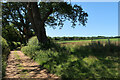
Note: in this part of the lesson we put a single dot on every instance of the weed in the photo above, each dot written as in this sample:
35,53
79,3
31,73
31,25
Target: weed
16,55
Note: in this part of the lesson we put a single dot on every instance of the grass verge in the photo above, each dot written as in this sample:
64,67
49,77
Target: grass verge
94,61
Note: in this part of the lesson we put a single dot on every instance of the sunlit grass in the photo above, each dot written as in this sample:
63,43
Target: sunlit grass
113,39
75,60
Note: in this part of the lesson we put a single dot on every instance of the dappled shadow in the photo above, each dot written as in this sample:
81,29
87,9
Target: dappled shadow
24,67
93,60
98,49
29,79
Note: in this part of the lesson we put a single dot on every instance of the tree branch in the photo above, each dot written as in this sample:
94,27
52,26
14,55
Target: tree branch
47,14
15,23
21,17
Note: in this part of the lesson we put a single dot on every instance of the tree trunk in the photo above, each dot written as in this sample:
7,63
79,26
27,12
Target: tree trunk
37,23
41,35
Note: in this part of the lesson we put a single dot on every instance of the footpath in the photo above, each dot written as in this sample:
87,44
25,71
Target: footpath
21,66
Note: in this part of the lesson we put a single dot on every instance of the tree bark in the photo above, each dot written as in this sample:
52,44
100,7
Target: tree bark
37,24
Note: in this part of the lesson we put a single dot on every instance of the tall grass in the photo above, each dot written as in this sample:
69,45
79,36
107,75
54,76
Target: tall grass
94,61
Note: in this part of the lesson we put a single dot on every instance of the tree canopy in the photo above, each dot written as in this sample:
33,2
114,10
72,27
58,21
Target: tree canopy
15,13
29,17
53,14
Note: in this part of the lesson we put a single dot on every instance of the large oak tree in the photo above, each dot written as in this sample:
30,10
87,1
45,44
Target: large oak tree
38,15
53,14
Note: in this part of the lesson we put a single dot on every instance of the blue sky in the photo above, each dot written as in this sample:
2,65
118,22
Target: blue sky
102,21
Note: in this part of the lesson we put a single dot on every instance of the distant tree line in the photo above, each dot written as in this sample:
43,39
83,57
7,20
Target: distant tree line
81,38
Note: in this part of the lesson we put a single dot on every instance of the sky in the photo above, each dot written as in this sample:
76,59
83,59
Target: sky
102,21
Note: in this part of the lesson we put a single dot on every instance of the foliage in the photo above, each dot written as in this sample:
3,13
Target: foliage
54,14
5,53
48,13
62,11
14,45
12,36
30,50
33,41
5,46
93,61
16,14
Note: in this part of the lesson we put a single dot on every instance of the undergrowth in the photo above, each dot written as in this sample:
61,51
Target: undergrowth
94,61
5,53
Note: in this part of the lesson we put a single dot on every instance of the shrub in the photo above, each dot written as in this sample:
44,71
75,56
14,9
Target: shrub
5,46
47,54
49,45
5,53
30,50
33,41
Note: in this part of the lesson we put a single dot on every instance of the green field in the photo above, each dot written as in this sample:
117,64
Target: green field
113,39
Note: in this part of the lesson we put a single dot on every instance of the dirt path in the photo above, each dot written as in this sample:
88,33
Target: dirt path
21,66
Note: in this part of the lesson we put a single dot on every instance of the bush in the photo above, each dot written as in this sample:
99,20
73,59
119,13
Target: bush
46,54
49,45
5,53
33,41
5,47
30,50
